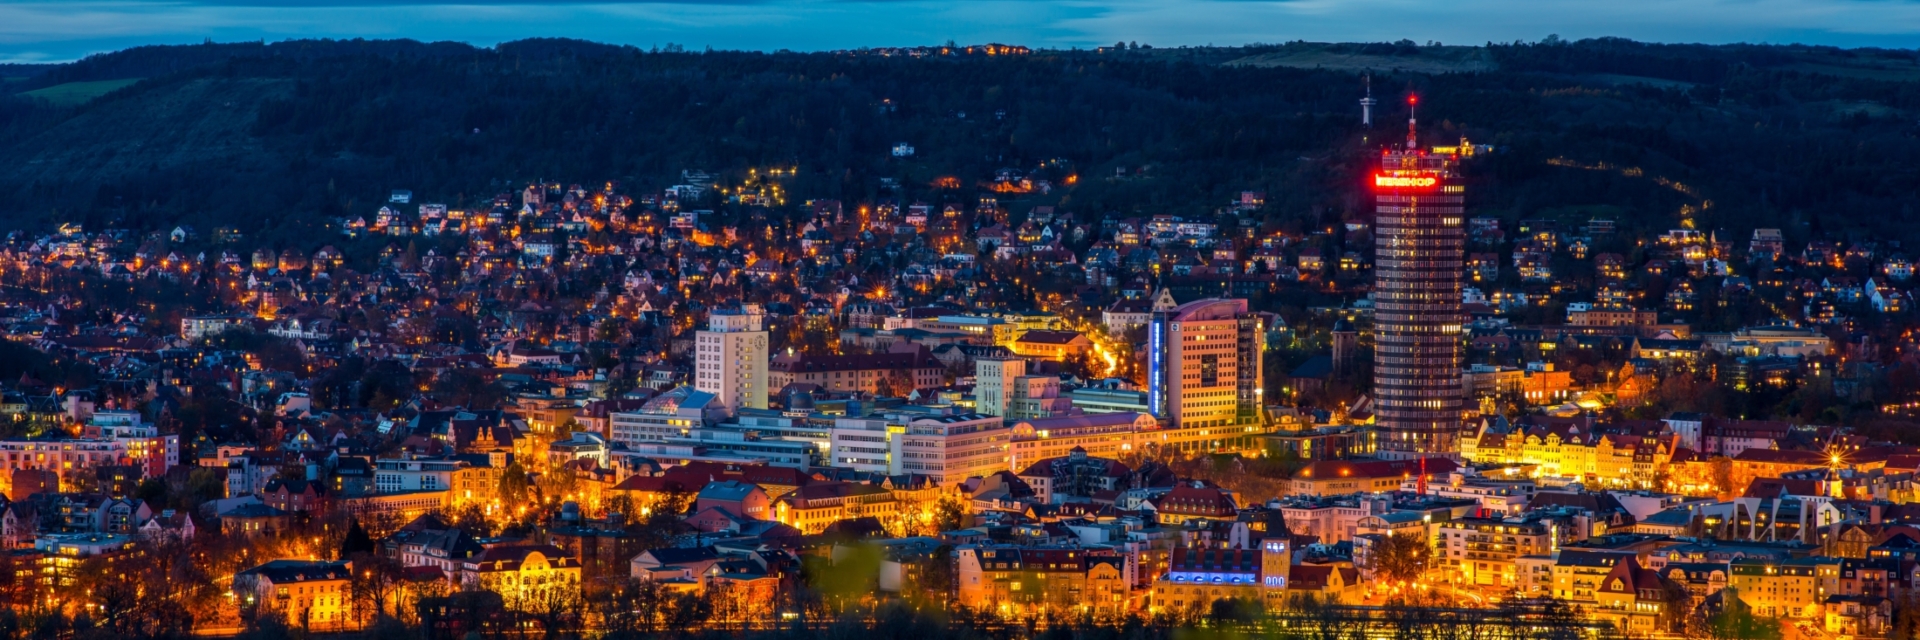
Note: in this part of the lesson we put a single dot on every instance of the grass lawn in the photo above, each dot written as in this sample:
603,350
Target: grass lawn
73,93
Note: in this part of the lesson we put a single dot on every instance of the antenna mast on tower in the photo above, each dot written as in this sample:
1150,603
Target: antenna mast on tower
1413,141
1422,485
1366,104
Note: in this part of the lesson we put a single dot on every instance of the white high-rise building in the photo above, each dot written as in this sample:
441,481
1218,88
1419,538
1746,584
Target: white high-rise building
731,359
993,383
1003,388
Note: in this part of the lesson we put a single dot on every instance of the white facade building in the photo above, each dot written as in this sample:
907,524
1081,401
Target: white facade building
198,327
394,475
952,448
993,381
674,414
870,443
731,359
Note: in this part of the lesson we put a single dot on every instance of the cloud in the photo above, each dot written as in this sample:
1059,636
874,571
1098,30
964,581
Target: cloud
48,30
365,4
1836,22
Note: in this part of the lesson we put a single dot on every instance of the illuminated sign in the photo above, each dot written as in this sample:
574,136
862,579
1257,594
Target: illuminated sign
1418,182
1155,367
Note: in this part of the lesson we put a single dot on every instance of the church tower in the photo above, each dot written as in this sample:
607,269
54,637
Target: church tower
1276,551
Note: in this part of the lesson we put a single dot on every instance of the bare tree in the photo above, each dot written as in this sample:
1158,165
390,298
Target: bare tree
1399,557
375,582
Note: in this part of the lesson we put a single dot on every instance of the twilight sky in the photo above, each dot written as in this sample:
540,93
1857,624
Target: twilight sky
60,30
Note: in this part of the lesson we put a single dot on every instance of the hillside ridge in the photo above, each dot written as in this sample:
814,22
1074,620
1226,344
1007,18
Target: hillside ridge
279,139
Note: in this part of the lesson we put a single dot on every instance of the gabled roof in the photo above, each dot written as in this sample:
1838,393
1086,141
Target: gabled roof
1309,577
727,490
1204,559
1190,500
919,359
1583,558
510,557
1628,577
678,555
290,571
295,486
449,543
1594,502
803,496
1775,456
253,510
697,474
1045,468
1778,487
861,527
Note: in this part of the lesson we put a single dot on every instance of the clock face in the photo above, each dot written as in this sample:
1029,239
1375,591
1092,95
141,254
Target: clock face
759,342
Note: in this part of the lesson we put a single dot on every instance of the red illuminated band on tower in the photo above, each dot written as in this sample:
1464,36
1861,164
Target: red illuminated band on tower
1406,182
1419,258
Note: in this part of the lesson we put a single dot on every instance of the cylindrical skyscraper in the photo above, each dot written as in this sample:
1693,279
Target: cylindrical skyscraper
1419,257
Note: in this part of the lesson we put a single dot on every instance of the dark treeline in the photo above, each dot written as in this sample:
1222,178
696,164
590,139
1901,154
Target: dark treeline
277,139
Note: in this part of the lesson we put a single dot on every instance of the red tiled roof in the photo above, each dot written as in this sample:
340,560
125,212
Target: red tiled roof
1771,488
515,554
1044,468
802,496
1629,577
1191,500
1727,427
1202,559
654,484
1374,468
920,359
1776,456
1309,577
700,473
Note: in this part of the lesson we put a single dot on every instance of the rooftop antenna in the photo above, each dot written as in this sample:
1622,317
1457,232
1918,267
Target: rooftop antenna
1421,488
1413,141
1366,104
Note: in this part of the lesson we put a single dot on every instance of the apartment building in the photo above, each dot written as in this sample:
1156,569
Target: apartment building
1003,388
953,447
1018,580
1099,434
813,507
397,475
673,414
880,373
1777,588
730,359
301,592
524,575
1482,551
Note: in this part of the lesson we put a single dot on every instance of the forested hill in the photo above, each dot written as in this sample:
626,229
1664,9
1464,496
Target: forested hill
279,139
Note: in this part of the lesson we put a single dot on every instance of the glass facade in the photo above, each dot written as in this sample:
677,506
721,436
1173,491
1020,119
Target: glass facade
1419,258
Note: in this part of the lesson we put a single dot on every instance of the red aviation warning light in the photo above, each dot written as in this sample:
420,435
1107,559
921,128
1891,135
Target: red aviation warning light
1412,139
